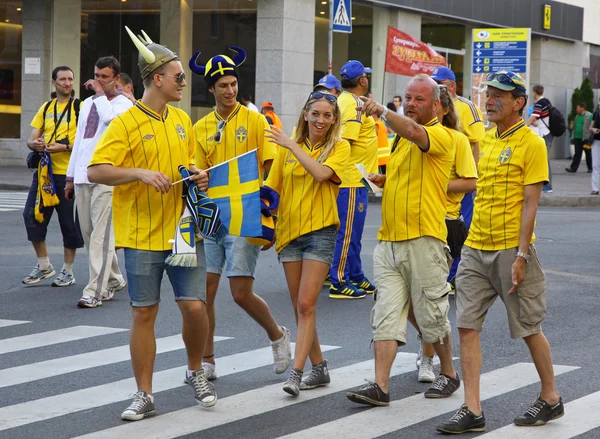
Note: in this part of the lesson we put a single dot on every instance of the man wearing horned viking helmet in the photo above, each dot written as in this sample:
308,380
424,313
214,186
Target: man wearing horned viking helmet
140,154
232,129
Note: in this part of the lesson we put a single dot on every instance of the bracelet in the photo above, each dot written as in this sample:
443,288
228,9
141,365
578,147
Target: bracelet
384,114
524,256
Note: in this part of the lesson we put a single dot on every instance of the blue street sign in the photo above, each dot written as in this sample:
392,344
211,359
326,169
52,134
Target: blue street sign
491,56
501,45
486,53
516,68
342,16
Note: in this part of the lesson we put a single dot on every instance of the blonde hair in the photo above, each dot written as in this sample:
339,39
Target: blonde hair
332,137
451,119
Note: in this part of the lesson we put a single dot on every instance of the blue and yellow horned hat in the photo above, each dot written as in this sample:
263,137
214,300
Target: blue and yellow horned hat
219,65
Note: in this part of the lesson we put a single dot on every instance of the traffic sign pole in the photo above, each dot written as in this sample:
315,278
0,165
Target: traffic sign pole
330,40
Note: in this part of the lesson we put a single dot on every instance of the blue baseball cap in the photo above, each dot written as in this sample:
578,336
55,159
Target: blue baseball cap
353,69
442,73
330,82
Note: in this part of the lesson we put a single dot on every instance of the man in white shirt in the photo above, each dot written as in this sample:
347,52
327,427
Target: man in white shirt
397,101
247,101
94,201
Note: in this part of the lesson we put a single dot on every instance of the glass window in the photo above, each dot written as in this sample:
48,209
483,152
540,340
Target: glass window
103,33
10,69
217,25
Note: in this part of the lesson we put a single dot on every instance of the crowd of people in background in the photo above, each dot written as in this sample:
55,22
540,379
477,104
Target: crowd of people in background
117,159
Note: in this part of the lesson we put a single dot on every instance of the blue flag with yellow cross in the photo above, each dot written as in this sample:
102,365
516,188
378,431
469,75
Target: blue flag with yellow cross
234,186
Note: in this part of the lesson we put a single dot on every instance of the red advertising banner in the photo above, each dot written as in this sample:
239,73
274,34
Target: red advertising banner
406,56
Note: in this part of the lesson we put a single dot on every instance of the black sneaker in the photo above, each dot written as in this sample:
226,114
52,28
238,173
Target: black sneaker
443,386
540,412
463,421
370,394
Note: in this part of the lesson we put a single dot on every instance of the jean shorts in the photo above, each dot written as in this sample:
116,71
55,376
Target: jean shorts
317,246
236,254
145,270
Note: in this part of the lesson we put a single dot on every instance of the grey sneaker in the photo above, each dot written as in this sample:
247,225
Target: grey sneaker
282,352
204,392
141,407
426,374
38,274
88,302
318,377
292,385
110,291
63,279
210,371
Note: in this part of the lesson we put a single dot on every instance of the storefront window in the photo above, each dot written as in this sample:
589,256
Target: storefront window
357,45
218,25
103,33
10,69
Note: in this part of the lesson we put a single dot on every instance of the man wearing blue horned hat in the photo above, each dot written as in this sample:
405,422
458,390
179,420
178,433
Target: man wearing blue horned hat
140,154
232,129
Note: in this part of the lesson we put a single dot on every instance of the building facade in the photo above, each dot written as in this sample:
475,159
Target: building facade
286,42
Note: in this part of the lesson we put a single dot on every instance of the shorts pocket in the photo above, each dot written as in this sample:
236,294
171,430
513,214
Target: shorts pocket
436,304
532,303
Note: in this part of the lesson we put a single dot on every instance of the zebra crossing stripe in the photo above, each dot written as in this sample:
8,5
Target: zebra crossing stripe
580,417
244,405
48,338
59,366
7,210
50,407
393,418
4,323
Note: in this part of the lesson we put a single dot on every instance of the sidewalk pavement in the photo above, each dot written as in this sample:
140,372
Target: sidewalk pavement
570,190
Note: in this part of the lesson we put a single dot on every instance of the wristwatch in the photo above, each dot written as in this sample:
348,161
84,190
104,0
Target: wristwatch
385,112
524,256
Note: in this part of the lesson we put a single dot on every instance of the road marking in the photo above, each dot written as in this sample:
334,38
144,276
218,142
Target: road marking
54,337
50,407
4,323
418,408
580,417
8,210
59,366
251,403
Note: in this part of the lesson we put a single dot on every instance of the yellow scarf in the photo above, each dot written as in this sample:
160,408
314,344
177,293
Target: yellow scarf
46,190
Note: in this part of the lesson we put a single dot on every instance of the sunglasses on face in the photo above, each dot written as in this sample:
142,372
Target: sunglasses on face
320,95
178,78
507,78
219,134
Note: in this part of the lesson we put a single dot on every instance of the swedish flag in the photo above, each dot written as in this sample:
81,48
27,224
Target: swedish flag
234,186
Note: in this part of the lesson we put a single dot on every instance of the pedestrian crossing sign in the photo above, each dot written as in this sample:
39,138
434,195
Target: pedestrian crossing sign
342,16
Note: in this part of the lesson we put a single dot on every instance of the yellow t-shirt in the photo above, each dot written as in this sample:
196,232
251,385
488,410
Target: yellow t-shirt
471,119
361,132
414,196
306,205
66,128
145,219
243,132
462,167
507,163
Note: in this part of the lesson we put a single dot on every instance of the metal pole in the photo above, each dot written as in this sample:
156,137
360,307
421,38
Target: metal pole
330,39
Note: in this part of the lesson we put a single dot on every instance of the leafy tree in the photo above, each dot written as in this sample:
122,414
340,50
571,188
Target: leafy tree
584,95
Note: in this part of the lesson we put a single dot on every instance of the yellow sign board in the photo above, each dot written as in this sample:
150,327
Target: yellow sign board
547,16
508,34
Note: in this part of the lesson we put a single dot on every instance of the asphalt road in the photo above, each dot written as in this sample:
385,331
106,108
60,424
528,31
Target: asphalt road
54,384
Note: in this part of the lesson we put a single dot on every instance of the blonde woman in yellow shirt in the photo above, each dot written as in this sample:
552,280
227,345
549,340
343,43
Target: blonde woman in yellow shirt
306,174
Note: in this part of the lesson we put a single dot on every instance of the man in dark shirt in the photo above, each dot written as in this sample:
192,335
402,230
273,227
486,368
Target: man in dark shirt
540,118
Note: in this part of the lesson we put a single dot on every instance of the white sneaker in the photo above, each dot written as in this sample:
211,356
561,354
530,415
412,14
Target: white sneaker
110,291
282,352
426,374
210,371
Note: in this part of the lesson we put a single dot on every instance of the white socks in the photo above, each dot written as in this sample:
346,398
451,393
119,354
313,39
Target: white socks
68,268
44,262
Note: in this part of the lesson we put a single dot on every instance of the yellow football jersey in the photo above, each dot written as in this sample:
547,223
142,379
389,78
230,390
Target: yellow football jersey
471,119
414,195
361,132
507,164
244,131
462,167
66,128
306,205
143,218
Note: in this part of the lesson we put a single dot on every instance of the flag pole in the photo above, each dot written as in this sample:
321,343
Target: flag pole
216,166
330,40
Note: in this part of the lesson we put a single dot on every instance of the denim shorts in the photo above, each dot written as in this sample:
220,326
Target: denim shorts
145,272
236,254
317,246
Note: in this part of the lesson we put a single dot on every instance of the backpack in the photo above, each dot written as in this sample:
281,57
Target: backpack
557,125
